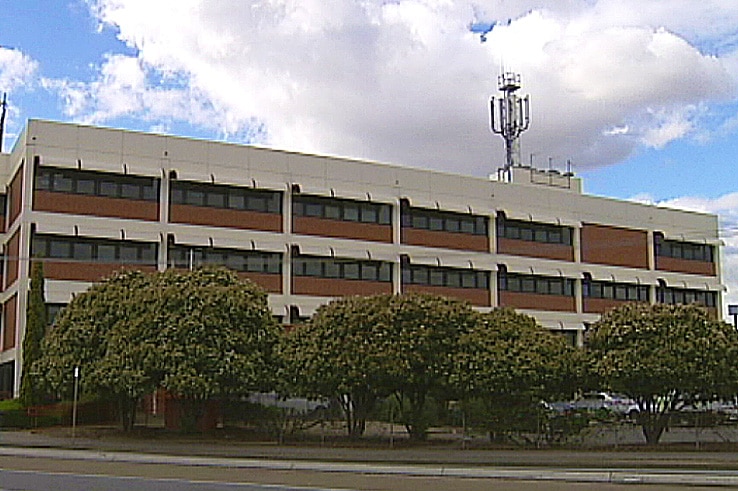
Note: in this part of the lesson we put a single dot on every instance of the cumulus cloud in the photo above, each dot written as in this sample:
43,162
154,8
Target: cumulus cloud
16,69
406,81
17,73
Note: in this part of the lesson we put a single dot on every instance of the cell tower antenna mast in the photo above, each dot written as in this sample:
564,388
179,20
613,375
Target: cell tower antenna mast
509,117
4,105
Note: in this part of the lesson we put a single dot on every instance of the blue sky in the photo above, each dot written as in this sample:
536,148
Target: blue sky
641,95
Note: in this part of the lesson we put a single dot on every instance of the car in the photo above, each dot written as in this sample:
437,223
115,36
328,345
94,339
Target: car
559,407
616,403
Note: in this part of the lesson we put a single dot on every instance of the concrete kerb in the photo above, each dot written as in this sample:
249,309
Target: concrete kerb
651,476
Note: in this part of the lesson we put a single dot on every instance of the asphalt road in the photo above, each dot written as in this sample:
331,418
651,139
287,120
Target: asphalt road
44,473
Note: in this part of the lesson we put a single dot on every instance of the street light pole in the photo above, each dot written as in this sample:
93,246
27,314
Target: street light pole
74,401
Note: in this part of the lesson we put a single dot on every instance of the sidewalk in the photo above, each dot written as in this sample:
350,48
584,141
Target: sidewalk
446,455
627,467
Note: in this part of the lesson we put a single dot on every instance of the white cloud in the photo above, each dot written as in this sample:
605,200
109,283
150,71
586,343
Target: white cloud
16,69
405,81
17,74
668,126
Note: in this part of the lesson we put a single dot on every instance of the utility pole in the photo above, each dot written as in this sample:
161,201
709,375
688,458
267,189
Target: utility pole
4,106
509,117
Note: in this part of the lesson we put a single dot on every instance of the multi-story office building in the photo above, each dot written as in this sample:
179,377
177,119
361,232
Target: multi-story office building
308,228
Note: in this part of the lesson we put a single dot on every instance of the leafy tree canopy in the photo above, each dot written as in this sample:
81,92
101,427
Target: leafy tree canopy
507,353
357,349
664,355
30,392
199,334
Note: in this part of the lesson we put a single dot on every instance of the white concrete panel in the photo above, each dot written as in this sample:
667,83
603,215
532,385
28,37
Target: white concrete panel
306,165
425,258
455,204
352,251
60,158
228,155
413,180
142,166
230,176
373,175
52,134
621,275
385,195
104,140
143,144
458,261
420,201
312,185
348,191
248,240
187,172
273,162
313,249
192,236
89,230
46,224
382,253
134,233
270,180
446,186
63,291
187,150
340,170
92,160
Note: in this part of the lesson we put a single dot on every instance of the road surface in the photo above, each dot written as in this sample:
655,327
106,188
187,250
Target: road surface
45,473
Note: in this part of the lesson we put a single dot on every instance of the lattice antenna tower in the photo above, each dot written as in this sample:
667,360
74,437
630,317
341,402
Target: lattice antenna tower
509,117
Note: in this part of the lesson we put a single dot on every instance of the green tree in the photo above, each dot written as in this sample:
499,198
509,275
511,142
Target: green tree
359,349
105,332
198,334
663,356
338,354
424,331
510,363
217,335
30,392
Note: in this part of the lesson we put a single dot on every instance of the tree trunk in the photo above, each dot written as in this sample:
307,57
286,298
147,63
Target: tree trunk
416,423
127,410
653,426
192,411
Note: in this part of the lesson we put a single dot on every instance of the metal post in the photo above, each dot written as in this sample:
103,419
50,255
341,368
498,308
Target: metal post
74,401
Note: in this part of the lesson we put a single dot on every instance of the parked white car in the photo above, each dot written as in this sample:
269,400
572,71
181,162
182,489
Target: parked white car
615,403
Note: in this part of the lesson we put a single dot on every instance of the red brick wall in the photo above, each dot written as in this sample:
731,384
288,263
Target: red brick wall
517,247
269,282
13,253
615,246
331,287
224,217
685,266
83,271
600,305
341,229
476,296
95,205
535,301
9,323
446,240
15,196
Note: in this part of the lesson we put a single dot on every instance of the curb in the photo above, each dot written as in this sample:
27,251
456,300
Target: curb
663,477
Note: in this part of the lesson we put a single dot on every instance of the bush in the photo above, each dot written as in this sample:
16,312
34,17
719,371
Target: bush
14,415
